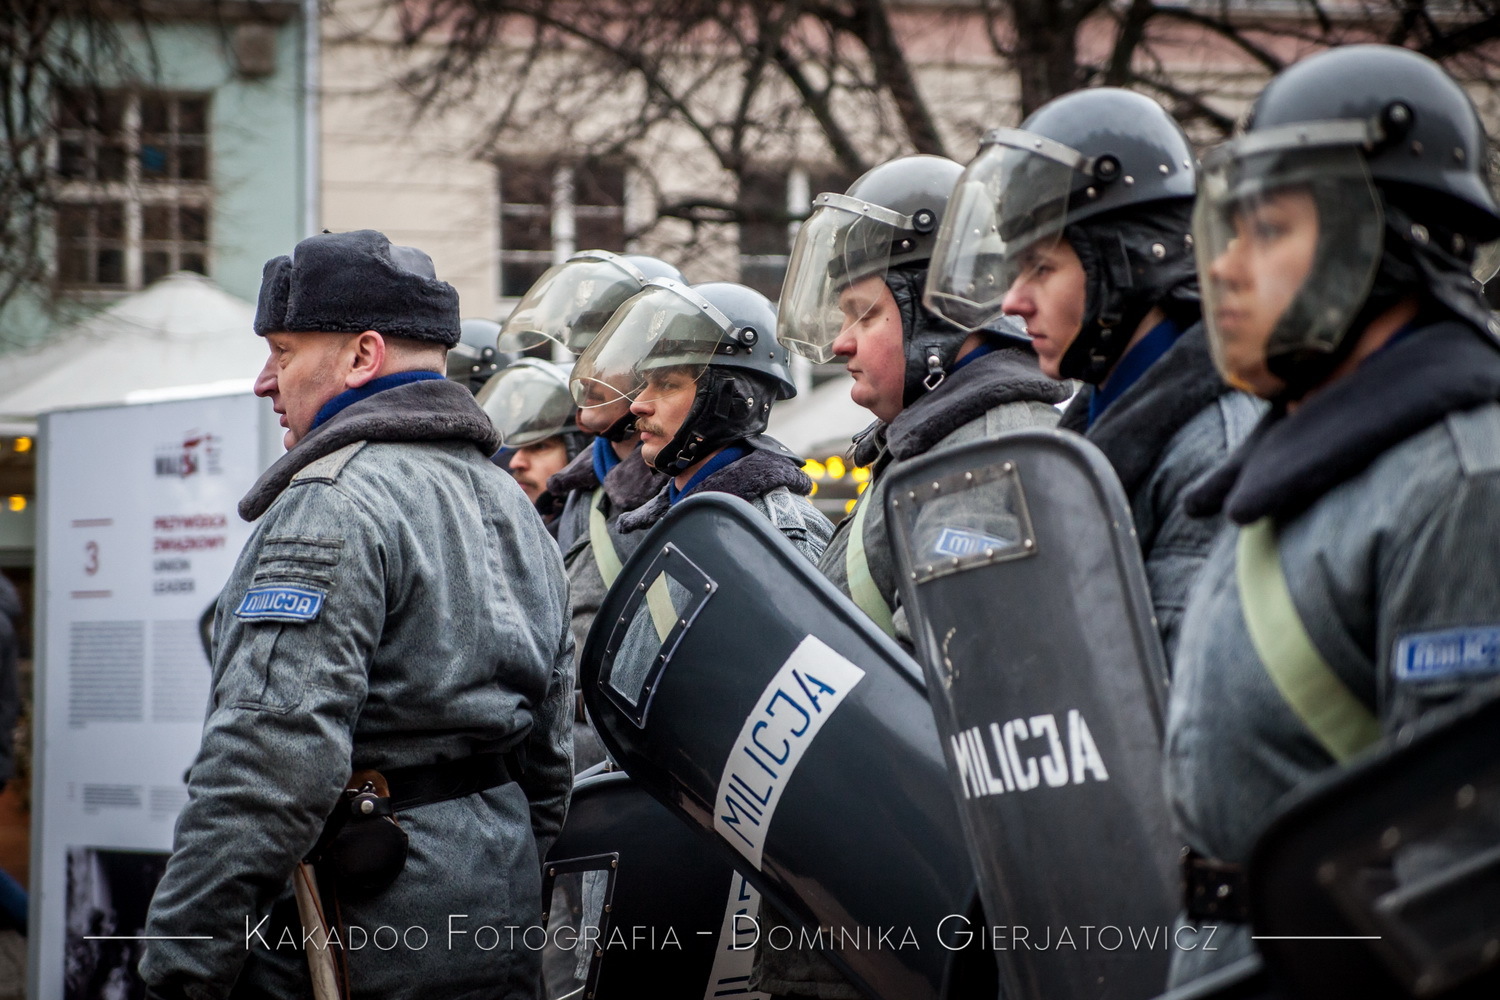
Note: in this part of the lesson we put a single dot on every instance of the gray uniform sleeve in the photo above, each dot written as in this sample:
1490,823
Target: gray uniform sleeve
548,777
1438,632
1175,550
797,519
276,745
1439,642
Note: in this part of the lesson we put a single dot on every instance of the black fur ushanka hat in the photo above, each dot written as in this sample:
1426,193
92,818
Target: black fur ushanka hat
352,282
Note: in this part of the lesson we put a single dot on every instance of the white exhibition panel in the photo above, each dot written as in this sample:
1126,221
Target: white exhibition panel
138,533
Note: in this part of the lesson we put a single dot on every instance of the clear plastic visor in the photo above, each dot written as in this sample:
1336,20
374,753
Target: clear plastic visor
527,403
843,242
570,303
665,330
1009,206
1288,240
1487,255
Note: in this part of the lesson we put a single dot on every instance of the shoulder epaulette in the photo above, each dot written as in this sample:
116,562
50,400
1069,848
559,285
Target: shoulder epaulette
1476,436
328,468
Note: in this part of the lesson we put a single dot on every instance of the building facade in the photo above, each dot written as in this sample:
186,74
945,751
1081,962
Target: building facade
191,152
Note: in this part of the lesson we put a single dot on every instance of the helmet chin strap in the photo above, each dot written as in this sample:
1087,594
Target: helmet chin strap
687,445
929,342
726,408
1132,263
1113,307
620,429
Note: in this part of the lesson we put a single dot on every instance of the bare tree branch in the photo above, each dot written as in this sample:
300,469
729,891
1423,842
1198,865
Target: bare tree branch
1228,29
885,51
45,49
1442,45
1132,33
1187,106
818,104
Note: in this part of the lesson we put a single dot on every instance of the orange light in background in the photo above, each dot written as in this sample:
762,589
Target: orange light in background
848,506
860,473
860,489
17,503
836,467
814,468
23,444
814,491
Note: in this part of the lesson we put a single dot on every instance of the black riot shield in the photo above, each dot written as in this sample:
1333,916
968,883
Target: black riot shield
638,904
1029,610
760,705
1382,879
1246,979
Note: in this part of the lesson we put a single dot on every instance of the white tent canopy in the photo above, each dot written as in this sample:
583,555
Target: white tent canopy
183,331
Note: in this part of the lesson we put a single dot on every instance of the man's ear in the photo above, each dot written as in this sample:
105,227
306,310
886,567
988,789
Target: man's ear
368,359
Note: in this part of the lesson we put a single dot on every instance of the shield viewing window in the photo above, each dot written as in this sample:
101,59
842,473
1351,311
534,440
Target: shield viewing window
641,643
949,529
1396,857
549,210
1428,886
579,893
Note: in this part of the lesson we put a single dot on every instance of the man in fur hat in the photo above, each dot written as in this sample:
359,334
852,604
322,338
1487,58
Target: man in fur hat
336,657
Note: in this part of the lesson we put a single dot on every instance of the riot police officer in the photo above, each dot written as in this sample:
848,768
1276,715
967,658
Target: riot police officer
1078,224
474,360
1335,241
568,306
701,368
854,290
529,404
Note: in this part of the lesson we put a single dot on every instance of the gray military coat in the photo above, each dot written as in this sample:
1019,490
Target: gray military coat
1163,435
995,393
399,602
772,483
1383,489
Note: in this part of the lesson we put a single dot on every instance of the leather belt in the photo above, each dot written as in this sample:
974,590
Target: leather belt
1214,890
424,784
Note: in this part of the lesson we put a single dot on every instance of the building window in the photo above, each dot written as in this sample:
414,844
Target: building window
549,211
772,204
133,187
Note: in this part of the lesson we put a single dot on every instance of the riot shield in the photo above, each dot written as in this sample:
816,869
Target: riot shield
760,705
637,903
1246,979
1382,880
1029,610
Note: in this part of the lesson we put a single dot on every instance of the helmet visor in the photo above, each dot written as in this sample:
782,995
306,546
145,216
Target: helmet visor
1010,204
527,403
570,303
1487,253
845,241
666,328
1288,237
